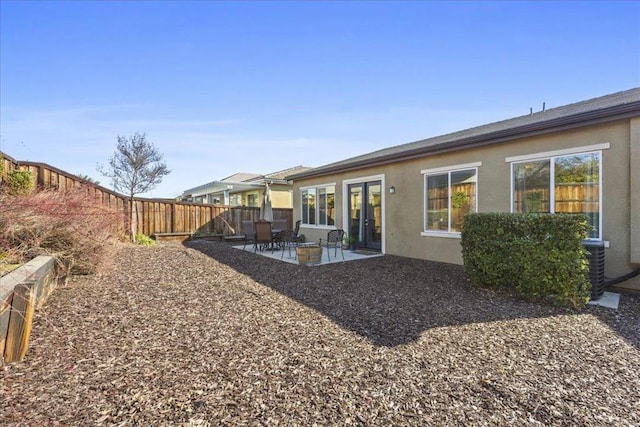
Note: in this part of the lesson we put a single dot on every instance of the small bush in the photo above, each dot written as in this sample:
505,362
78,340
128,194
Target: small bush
67,225
144,240
539,256
20,183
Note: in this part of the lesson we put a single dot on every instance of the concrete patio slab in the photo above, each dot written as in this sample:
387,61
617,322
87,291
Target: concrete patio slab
277,255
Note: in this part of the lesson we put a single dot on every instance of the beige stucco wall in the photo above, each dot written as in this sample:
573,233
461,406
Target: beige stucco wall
634,181
281,196
404,209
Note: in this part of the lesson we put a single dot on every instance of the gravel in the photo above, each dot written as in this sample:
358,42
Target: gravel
204,334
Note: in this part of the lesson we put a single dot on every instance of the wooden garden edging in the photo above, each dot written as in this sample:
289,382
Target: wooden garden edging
21,292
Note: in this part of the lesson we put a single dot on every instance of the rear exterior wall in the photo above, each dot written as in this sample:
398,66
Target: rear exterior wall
404,209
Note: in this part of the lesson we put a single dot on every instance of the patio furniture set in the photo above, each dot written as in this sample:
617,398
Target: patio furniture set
265,235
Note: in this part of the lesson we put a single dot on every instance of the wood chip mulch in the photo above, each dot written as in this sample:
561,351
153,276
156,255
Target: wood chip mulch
204,334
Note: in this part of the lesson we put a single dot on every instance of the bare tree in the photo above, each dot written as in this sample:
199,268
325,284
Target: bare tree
136,167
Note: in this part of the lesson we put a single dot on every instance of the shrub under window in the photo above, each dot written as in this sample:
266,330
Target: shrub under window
537,255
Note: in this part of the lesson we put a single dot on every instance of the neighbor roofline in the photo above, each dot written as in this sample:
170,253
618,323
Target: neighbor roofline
603,115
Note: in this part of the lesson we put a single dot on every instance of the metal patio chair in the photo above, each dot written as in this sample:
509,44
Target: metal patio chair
280,224
334,240
249,232
288,240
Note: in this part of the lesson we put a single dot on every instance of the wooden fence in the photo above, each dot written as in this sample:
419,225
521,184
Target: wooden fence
569,198
7,164
153,216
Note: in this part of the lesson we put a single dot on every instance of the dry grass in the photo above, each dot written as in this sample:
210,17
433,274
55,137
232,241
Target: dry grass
68,225
209,335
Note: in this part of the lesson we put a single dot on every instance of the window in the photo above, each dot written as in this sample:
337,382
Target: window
309,206
326,205
559,184
450,193
318,205
252,200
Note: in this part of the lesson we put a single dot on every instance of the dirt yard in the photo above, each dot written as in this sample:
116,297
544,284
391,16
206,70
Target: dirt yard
209,335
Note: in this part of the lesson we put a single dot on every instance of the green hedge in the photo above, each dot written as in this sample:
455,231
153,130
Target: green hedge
539,256
20,182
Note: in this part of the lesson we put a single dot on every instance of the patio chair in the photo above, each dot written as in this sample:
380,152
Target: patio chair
263,236
288,239
249,232
280,224
334,240
296,231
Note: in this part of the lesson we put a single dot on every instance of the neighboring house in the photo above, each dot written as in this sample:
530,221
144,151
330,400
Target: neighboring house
409,200
246,189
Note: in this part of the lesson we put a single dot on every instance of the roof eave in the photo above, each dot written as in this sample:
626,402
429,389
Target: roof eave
617,112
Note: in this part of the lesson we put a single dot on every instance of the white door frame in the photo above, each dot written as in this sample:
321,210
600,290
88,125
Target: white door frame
345,201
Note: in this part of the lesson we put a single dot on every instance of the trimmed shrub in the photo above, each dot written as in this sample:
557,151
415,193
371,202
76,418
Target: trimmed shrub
539,256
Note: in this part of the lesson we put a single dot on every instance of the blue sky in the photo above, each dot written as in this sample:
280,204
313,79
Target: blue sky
226,87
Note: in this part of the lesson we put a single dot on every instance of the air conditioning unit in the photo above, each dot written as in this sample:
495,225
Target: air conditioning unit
595,256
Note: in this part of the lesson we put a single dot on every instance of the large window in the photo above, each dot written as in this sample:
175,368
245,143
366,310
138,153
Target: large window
318,205
560,184
309,206
449,195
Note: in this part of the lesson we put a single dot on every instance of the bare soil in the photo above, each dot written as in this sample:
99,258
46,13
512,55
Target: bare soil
204,334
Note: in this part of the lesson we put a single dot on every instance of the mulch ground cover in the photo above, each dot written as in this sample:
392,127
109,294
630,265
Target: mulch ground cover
204,334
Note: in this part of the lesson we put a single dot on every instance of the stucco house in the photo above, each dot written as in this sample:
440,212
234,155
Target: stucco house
409,200
246,189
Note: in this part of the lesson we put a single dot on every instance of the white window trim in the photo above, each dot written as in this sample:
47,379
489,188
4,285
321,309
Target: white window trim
552,167
452,168
440,233
442,170
317,227
558,153
316,187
